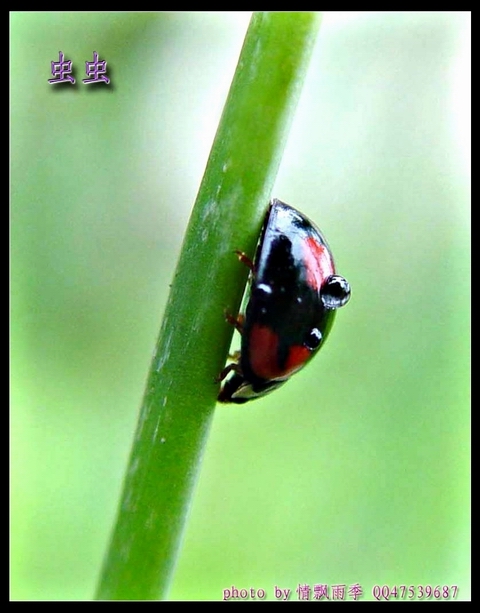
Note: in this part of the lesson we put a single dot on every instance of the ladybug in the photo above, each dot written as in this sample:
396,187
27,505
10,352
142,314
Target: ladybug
291,306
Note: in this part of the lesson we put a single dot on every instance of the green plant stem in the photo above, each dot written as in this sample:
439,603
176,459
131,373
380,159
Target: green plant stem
180,395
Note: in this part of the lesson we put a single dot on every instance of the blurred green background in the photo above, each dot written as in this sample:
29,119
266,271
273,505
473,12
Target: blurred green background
358,470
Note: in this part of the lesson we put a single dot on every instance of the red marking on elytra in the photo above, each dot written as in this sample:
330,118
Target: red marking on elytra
297,356
264,352
263,355
318,263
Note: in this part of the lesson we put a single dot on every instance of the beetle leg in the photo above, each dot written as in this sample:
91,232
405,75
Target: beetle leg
243,257
235,321
226,371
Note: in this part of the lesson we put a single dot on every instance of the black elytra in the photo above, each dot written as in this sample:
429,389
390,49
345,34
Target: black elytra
291,306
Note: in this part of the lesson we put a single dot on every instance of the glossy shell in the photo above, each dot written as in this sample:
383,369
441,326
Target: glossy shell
291,306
